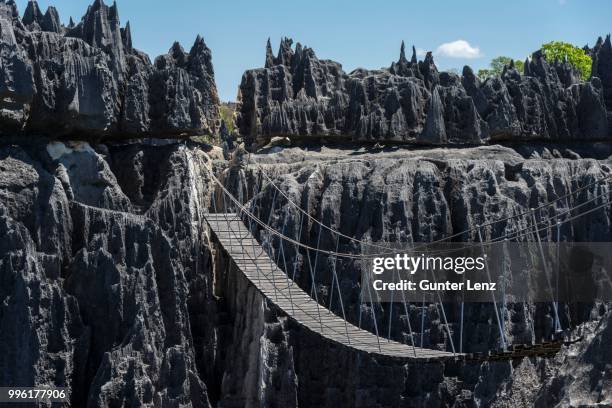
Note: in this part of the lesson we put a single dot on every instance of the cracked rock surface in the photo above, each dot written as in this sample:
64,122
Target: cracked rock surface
301,96
113,287
88,79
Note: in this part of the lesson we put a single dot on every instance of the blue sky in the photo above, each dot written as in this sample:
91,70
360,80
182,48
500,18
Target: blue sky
356,33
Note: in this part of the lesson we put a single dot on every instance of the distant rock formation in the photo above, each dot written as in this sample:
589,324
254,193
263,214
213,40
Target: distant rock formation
87,78
296,94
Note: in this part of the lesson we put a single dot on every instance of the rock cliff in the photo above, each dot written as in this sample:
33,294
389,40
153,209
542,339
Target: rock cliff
298,95
87,78
113,288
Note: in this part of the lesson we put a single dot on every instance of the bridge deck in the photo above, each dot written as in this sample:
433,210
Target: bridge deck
251,259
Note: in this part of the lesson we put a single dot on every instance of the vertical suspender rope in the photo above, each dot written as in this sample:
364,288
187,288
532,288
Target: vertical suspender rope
315,292
282,252
504,306
333,281
335,278
371,305
502,336
422,320
557,321
450,336
359,303
298,238
461,324
314,281
391,310
545,266
406,311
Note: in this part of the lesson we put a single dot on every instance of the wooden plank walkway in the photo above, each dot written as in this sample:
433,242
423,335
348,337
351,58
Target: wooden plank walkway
251,259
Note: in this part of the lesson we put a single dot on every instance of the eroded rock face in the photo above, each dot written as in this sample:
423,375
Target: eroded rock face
422,196
97,293
298,95
112,287
88,78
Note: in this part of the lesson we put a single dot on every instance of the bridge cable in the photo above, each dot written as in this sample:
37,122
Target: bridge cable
361,256
486,264
571,193
545,266
517,233
276,291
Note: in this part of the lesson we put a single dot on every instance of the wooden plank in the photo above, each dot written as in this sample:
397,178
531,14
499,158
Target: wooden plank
250,258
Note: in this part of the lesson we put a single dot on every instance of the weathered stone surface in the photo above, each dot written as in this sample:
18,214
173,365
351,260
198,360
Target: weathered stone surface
422,196
298,95
112,287
602,67
88,78
95,296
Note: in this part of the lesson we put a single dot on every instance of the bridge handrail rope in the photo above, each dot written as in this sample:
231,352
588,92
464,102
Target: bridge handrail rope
271,230
517,234
261,272
490,223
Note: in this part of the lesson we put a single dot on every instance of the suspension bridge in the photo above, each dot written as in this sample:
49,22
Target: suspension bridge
234,227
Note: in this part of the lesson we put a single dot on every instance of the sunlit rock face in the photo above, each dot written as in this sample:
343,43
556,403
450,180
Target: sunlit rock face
88,78
114,288
298,95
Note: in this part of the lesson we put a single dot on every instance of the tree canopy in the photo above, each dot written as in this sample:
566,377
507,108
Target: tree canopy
496,67
577,57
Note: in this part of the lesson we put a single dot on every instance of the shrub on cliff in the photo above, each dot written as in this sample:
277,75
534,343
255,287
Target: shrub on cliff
577,57
496,67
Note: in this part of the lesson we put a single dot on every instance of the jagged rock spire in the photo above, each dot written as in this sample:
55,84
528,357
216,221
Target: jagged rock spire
177,52
285,52
71,23
32,14
413,60
269,55
403,53
126,36
435,128
113,11
100,27
526,69
51,20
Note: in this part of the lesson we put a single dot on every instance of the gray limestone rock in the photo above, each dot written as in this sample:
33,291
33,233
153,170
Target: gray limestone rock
298,95
88,79
114,288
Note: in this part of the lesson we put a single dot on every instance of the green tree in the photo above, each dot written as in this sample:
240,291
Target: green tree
496,67
228,115
577,57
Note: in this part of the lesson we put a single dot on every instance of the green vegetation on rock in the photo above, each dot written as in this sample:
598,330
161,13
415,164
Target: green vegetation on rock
228,116
497,65
577,57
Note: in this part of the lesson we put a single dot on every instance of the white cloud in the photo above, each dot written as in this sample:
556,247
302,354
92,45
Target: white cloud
420,52
458,49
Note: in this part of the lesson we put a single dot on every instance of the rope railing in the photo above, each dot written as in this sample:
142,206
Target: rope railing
268,228
447,238
533,227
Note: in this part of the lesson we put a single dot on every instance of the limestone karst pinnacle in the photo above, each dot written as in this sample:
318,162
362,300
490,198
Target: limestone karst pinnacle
394,104
114,90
